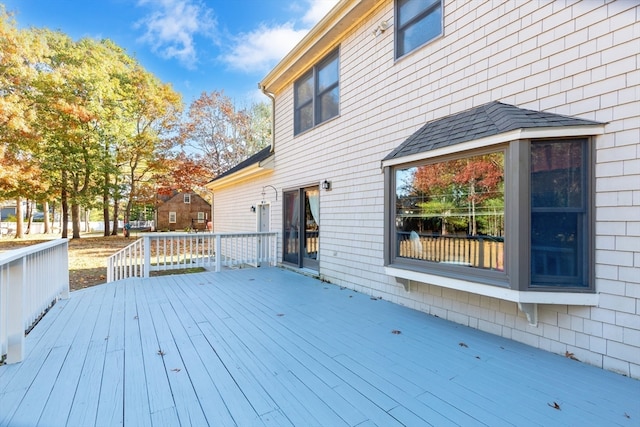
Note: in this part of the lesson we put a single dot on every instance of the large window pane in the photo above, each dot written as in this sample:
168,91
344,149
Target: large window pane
317,94
452,212
304,118
328,75
418,22
328,105
558,214
304,90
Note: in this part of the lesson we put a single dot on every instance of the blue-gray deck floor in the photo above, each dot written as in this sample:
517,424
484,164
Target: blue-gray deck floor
270,347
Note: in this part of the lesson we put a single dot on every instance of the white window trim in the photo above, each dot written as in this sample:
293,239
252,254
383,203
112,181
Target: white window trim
175,217
187,199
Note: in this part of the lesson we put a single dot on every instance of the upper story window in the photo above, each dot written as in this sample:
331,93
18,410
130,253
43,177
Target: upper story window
187,198
417,22
317,94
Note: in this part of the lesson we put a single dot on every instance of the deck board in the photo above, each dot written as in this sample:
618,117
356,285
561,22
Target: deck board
269,347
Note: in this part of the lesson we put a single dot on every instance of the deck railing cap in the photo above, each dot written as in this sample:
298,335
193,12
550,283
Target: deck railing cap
15,254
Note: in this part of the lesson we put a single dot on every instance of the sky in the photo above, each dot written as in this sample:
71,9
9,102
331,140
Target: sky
196,45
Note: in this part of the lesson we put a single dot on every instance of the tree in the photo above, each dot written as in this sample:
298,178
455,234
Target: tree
456,188
20,173
181,172
153,109
221,135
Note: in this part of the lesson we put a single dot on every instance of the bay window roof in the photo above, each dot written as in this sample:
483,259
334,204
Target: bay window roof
487,124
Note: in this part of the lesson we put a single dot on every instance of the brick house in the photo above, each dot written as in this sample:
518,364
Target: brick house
478,161
182,211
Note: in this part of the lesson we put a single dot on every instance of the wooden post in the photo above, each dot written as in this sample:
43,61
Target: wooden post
218,253
147,255
15,311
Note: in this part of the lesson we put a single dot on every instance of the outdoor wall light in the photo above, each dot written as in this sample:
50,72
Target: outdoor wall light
326,185
253,209
381,28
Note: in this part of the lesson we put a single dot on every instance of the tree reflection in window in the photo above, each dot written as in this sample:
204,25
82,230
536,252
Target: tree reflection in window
456,208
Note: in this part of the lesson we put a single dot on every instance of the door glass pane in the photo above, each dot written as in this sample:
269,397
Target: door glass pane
291,226
311,229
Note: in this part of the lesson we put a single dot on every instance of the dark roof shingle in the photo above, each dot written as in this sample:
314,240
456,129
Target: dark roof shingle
256,158
483,121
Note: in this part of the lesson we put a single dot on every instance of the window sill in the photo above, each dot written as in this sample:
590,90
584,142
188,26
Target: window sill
520,297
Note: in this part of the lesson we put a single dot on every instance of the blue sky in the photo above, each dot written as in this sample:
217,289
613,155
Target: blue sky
196,45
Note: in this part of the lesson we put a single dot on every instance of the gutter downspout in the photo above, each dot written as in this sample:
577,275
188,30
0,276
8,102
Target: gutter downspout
273,116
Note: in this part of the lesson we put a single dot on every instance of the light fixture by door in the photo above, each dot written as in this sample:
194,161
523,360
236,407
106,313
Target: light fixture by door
326,185
253,209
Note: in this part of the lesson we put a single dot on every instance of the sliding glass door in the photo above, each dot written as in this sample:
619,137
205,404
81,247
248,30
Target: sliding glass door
301,227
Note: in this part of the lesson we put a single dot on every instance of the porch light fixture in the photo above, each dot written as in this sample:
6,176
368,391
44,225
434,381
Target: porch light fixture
326,185
253,209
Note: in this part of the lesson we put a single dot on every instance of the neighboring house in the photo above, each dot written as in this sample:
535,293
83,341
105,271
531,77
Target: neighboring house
7,212
183,211
478,161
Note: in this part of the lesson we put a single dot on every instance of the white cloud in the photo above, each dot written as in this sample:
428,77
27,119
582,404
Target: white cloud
316,10
260,49
171,26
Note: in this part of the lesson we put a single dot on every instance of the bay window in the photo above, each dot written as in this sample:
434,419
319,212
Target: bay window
516,216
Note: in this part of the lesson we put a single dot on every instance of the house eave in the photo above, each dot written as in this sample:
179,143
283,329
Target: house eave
318,42
528,133
251,172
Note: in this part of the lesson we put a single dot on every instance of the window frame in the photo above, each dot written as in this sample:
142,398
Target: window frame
187,199
200,218
516,275
316,95
175,217
402,29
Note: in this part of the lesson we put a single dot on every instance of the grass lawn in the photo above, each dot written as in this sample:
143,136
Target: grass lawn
87,255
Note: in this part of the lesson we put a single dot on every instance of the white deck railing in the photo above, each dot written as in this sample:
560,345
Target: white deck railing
171,251
32,279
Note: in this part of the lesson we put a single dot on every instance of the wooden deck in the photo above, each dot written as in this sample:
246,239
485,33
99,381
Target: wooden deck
270,347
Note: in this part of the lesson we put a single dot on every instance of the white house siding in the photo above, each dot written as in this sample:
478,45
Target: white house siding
572,58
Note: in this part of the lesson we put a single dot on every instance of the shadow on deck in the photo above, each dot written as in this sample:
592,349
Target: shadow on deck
271,347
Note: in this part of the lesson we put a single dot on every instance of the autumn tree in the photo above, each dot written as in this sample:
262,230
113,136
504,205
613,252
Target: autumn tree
153,109
220,134
453,190
20,174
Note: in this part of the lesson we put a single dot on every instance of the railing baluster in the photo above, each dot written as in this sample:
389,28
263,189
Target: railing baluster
31,280
183,250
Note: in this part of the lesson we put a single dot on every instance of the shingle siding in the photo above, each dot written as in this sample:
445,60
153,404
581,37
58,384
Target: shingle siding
575,59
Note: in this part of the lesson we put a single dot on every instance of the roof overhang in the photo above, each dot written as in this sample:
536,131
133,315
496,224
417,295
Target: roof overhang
518,134
318,42
251,172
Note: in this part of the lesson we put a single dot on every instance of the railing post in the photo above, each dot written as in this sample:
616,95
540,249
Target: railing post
15,311
146,248
65,277
218,253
